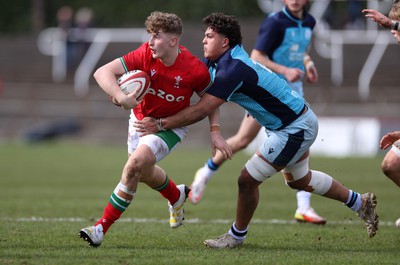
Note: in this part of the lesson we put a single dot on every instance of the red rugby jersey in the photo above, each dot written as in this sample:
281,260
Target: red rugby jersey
171,87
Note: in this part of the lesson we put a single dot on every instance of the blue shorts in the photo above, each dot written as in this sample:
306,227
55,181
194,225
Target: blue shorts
286,146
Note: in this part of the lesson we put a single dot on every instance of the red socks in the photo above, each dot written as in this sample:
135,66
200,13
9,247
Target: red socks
169,191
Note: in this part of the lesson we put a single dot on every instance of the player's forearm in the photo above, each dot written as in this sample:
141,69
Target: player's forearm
185,117
107,81
214,117
385,22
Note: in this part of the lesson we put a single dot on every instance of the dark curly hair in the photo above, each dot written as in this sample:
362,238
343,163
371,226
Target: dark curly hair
226,25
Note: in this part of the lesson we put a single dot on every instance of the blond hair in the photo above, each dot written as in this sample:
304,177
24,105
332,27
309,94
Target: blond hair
395,11
165,22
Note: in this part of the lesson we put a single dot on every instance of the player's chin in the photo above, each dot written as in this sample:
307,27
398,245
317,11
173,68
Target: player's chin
154,54
208,56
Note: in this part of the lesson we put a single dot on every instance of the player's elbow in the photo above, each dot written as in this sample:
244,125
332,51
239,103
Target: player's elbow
206,106
97,74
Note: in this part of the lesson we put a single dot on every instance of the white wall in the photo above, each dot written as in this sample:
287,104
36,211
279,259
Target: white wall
340,137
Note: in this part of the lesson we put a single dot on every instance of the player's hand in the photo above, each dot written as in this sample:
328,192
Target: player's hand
378,17
128,101
218,142
312,74
293,74
388,139
148,125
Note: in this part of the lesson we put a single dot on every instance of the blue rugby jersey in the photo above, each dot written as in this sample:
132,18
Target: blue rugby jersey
285,39
266,96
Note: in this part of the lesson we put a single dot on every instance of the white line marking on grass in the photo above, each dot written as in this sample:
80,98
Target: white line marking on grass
191,221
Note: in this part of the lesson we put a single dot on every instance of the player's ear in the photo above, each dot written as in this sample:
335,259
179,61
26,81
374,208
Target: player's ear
225,42
174,41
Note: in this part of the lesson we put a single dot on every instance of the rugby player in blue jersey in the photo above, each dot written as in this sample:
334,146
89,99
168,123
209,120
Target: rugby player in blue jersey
291,125
282,43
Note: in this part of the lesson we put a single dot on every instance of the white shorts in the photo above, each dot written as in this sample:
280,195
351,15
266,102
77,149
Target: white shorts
161,143
286,146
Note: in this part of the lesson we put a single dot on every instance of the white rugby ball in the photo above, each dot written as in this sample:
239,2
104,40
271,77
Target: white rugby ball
132,80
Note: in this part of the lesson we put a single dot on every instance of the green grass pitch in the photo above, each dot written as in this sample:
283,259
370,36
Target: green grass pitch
49,191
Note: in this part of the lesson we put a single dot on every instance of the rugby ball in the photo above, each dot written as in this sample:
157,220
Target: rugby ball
132,80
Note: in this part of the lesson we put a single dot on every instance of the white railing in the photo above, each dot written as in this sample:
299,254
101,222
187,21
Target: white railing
327,43
52,42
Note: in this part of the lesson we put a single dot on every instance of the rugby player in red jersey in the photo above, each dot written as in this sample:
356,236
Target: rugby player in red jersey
175,75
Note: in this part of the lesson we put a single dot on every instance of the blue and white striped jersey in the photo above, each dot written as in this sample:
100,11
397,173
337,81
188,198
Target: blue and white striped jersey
266,96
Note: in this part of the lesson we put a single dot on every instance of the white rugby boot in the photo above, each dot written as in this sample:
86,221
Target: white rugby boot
198,186
309,216
176,212
224,241
93,235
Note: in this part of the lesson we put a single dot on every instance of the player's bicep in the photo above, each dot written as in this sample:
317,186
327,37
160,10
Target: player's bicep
108,72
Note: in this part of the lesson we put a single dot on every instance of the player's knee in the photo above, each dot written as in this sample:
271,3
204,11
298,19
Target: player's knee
246,181
244,177
290,184
296,185
132,169
300,183
386,168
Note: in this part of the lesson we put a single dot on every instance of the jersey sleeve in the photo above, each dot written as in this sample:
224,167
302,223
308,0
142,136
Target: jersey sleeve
202,79
268,36
135,60
226,81
311,21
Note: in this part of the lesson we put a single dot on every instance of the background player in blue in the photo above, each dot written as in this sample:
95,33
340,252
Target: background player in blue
287,35
282,44
283,41
292,128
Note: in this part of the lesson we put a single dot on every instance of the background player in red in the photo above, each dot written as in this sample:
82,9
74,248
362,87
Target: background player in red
391,162
175,74
391,22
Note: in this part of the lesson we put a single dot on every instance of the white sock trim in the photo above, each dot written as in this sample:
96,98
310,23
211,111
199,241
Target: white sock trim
123,188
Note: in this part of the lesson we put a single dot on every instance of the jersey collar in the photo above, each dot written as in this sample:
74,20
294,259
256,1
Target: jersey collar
286,11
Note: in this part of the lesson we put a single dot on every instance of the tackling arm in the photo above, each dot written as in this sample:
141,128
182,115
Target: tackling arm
217,141
194,113
207,106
